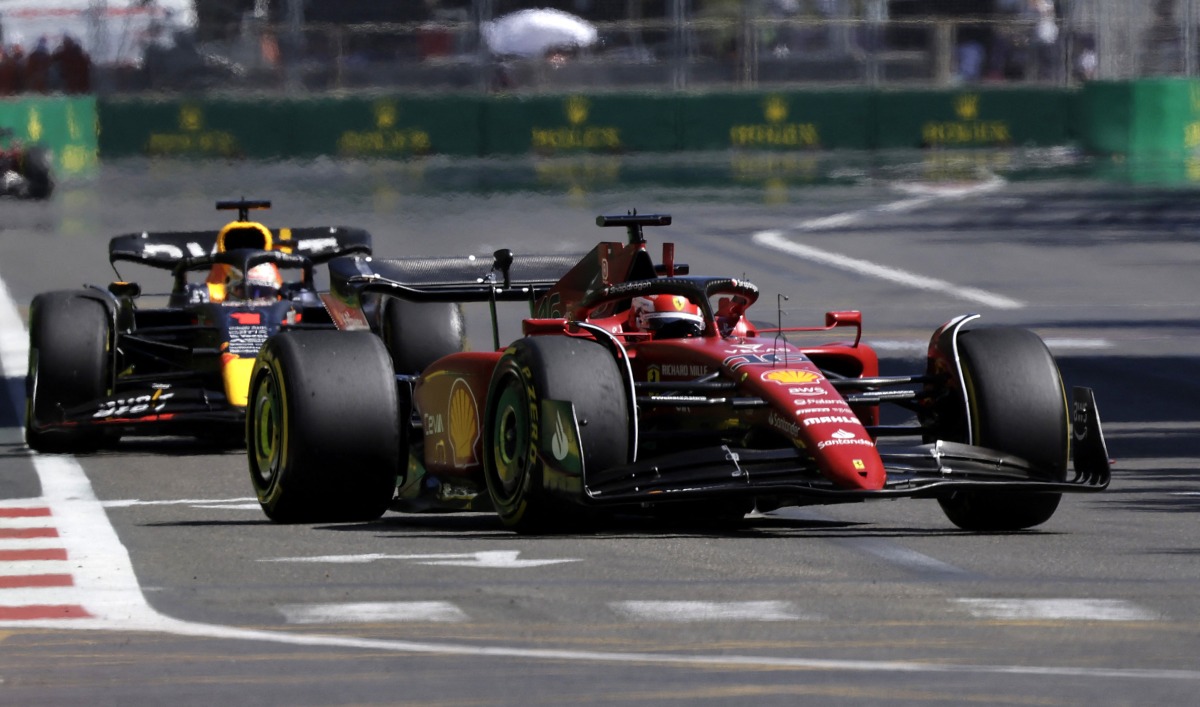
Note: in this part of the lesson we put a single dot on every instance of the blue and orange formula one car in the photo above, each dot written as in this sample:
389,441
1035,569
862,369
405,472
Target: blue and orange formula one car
102,366
639,388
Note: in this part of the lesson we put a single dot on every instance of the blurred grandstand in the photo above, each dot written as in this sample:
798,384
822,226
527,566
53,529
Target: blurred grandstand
437,45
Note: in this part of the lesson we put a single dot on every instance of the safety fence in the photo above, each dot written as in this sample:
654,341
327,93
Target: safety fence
624,45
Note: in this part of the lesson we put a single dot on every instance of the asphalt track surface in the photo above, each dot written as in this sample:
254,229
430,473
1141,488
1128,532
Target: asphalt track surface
167,583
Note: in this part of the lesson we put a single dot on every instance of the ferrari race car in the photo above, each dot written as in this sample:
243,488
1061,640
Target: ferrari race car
25,170
639,388
102,366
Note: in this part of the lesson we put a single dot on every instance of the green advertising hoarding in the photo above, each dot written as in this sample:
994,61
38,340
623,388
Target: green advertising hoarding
971,117
564,124
796,120
1148,118
66,126
392,126
361,126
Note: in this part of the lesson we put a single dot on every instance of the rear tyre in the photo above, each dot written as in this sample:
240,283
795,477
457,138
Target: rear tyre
1018,406
419,333
69,336
537,369
322,427
35,168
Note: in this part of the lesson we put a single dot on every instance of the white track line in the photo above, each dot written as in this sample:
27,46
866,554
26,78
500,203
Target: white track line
776,240
203,502
1057,609
372,612
703,611
106,575
779,241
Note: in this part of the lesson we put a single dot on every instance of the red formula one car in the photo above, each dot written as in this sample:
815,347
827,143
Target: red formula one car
639,388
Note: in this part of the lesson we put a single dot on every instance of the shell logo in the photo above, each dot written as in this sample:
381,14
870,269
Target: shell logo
789,376
463,423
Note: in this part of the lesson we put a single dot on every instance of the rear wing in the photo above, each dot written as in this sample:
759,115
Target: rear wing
167,249
503,277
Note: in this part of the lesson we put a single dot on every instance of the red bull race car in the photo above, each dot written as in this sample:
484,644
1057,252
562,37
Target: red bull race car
637,387
103,365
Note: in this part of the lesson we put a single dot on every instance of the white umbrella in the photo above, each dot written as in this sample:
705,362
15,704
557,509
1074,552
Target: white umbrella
532,33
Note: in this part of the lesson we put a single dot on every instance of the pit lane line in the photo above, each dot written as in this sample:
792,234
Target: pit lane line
779,240
114,601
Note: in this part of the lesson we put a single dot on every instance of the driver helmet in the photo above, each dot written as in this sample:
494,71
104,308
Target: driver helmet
667,316
263,281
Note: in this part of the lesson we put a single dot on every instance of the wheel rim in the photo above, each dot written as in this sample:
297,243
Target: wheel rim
510,438
267,412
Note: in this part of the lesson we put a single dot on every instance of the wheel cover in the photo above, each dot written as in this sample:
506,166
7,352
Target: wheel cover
510,437
267,413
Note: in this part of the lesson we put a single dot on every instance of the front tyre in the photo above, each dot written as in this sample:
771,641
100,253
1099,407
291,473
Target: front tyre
535,370
35,167
322,427
1018,405
69,349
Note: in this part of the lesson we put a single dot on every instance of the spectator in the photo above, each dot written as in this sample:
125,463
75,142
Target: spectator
37,68
10,70
74,66
1045,56
1081,21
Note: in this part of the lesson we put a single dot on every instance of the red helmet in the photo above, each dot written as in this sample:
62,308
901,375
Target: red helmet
262,282
667,316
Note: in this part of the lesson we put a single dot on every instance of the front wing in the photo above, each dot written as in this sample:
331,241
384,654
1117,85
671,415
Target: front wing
175,410
917,471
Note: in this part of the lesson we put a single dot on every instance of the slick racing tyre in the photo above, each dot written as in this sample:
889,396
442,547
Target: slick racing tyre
419,333
1018,405
549,368
69,349
322,428
35,167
